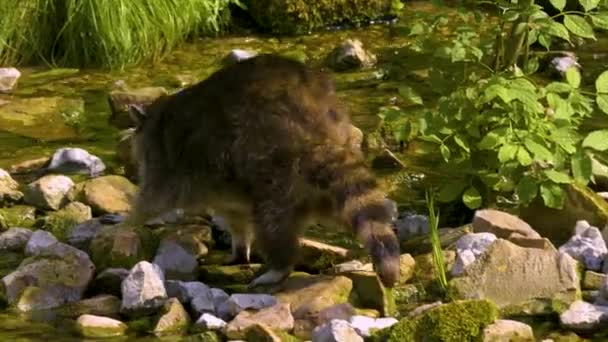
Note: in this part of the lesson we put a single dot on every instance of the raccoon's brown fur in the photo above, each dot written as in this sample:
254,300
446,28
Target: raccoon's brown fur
264,144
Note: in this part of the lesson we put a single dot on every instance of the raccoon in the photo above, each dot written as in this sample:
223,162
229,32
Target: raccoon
265,143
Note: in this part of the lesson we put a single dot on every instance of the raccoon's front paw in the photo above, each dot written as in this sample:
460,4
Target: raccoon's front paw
271,277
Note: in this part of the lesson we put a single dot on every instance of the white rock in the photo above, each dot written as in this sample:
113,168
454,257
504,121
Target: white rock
8,79
583,316
48,192
242,301
363,324
210,322
15,239
507,330
75,160
587,246
143,290
238,55
100,326
336,330
39,240
468,248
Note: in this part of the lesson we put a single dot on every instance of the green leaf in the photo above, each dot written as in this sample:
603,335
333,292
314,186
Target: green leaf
523,157
588,5
431,138
450,191
462,143
538,150
600,20
581,166
558,4
471,198
597,140
558,30
601,83
602,102
544,40
445,152
579,26
573,76
409,95
507,152
559,87
390,114
526,189
557,177
553,195
489,141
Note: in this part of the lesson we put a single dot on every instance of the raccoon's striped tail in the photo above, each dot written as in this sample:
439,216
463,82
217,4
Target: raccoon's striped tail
365,208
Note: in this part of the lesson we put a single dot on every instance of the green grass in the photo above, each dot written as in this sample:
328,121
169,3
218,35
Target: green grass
438,258
102,33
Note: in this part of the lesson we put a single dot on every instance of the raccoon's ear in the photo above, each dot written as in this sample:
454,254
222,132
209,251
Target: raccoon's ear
137,114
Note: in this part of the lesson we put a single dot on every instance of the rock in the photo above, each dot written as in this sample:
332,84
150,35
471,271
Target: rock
425,266
173,319
102,305
603,293
100,327
350,55
587,246
336,331
75,160
260,332
143,291
9,261
194,238
364,325
120,100
468,248
48,192
315,255
502,224
43,118
276,317
175,261
8,79
371,293
28,166
422,244
60,271
521,281
9,189
17,216
230,274
584,317
81,235
110,280
109,194
219,297
581,203
503,330
437,323
187,291
593,280
15,239
412,225
243,301
209,322
62,221
122,246
38,241
238,55
34,298
202,301
349,266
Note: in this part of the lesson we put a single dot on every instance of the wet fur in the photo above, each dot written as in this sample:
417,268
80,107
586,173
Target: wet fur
264,144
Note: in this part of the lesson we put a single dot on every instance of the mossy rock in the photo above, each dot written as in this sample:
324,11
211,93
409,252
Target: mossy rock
371,293
229,274
60,222
9,261
17,216
301,16
456,321
102,305
122,247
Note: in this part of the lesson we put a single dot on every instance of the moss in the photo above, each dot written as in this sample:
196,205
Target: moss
60,222
207,336
17,216
302,16
456,321
233,274
117,246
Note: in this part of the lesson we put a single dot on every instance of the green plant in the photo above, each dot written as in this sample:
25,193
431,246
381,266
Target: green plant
503,133
438,259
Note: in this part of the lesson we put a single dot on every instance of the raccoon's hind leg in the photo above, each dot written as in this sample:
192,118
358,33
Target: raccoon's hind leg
241,232
277,230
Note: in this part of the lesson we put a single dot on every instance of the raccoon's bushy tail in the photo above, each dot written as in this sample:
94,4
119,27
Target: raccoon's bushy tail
364,207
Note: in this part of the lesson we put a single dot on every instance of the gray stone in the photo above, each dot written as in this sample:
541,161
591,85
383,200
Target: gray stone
364,325
173,319
59,270
111,194
15,239
8,79
34,298
468,248
349,266
520,280
48,192
276,317
39,241
587,246
175,261
238,55
503,330
110,280
82,234
75,160
336,331
350,55
208,321
143,290
411,225
502,224
584,317
9,189
242,301
92,326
